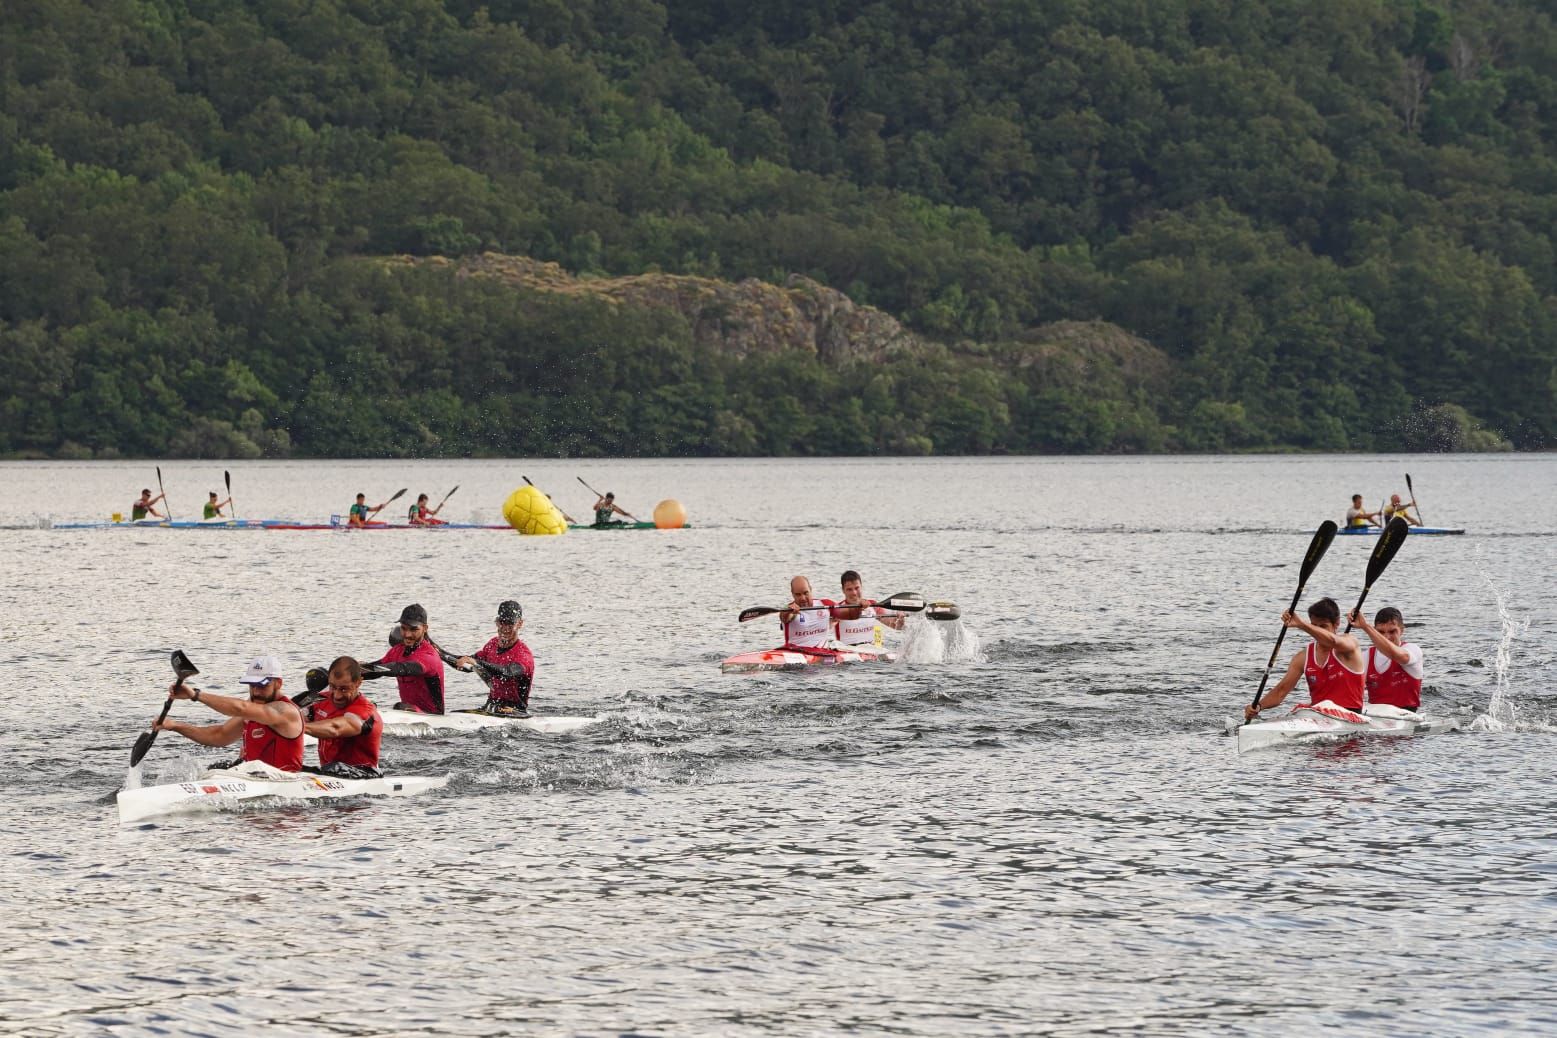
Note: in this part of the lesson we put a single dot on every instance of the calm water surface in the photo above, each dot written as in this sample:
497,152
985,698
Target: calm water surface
1037,827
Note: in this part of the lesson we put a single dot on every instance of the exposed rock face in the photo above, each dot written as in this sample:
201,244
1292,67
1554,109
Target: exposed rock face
1092,352
738,318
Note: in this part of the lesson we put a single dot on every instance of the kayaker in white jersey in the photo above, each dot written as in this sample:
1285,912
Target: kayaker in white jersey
807,622
1357,515
1394,665
857,626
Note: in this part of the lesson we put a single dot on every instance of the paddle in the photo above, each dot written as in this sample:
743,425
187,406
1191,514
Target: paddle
903,601
1412,491
165,506
1316,551
599,495
317,679
445,498
565,516
392,499
228,477
1390,540
183,669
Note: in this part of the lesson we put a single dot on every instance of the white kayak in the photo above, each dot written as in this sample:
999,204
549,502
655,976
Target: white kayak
410,723
251,780
1325,721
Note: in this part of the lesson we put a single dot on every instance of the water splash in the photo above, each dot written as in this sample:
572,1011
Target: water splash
1501,713
940,641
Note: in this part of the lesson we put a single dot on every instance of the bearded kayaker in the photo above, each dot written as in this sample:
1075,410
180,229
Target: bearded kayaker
414,664
1357,515
213,507
807,622
269,724
857,626
1332,664
421,515
1394,666
506,665
142,508
346,723
1395,508
361,514
605,508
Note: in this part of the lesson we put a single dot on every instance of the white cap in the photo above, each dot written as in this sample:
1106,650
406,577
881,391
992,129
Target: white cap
266,668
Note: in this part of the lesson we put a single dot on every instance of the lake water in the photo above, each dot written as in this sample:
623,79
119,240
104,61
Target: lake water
1037,827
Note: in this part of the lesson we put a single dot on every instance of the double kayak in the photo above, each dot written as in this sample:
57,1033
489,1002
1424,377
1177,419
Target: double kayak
410,723
792,658
1365,531
252,780
335,523
1325,721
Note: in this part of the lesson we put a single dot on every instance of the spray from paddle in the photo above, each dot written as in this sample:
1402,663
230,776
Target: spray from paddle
1502,714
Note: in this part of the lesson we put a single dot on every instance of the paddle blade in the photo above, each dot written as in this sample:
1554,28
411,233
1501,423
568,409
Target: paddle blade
182,667
315,680
1323,538
142,744
306,699
227,476
756,611
396,636
1390,540
397,494
905,601
943,611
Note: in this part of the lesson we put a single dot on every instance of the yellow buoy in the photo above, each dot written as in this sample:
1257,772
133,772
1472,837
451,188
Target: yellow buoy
531,512
669,515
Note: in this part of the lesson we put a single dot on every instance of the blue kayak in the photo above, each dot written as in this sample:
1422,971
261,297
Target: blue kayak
1365,531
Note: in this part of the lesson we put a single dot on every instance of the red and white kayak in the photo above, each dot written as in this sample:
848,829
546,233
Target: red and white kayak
1325,721
793,658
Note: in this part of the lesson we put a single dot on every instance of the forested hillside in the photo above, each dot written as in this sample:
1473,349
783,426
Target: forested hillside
1105,225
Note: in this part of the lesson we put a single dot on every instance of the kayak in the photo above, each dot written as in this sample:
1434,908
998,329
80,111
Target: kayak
790,658
621,526
227,787
1326,721
413,724
168,524
1364,531
335,524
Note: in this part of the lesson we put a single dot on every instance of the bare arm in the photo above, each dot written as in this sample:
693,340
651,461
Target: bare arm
281,715
1381,643
335,728
224,734
1288,682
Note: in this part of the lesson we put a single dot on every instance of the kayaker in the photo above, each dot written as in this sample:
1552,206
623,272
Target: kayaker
269,724
807,622
142,508
1394,666
605,508
346,723
414,664
421,515
1357,515
1395,508
1332,664
213,507
361,514
857,626
506,665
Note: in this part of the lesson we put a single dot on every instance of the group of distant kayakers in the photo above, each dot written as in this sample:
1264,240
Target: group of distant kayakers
1358,514
270,726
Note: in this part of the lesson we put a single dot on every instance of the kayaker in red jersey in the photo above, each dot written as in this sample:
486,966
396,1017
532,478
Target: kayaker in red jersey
421,515
414,664
1394,666
1332,663
270,725
857,626
346,723
506,665
807,622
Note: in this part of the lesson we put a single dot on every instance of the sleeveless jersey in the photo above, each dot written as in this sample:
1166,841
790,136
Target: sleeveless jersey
860,631
359,513
211,511
263,743
1333,681
137,510
1394,685
810,627
360,750
603,516
509,690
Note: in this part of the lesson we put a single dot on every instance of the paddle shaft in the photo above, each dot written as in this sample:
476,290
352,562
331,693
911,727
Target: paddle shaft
165,506
144,741
445,498
1316,551
1390,540
599,495
1412,491
565,516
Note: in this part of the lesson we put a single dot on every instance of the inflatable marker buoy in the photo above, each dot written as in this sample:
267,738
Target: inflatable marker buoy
669,515
530,512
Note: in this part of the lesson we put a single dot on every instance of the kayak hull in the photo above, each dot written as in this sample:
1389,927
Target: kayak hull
412,724
622,526
801,659
1324,722
228,787
1366,531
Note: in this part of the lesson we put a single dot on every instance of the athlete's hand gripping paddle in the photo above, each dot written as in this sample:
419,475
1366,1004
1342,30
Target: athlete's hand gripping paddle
183,669
599,495
1390,540
1316,551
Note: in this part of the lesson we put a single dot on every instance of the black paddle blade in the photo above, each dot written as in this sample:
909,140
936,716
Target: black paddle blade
142,744
943,611
905,601
1323,538
397,494
306,699
315,680
182,667
396,636
1390,540
754,612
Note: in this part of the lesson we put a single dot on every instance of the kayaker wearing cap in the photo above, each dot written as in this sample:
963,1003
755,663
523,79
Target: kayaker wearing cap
346,723
213,507
270,725
807,622
1395,508
414,664
505,663
1332,663
857,626
605,508
142,508
361,514
1394,666
421,515
1357,515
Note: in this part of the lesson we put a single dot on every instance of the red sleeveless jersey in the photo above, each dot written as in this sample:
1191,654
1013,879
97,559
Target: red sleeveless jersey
1393,686
1332,681
263,743
360,750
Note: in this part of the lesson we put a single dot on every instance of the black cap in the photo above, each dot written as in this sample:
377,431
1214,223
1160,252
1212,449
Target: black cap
509,612
414,614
